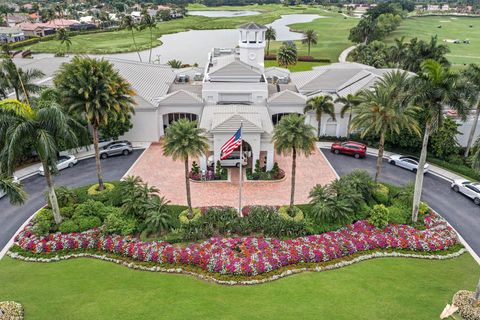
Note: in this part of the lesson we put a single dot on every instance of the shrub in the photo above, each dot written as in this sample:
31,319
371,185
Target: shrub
423,208
380,194
116,222
183,216
91,208
43,222
398,214
291,214
65,196
68,226
88,222
136,197
379,216
195,168
93,189
331,205
67,212
362,212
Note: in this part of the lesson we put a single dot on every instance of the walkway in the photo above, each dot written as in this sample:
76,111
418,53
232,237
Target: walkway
168,176
344,55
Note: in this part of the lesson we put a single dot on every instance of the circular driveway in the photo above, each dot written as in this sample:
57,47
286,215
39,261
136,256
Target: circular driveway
12,217
457,209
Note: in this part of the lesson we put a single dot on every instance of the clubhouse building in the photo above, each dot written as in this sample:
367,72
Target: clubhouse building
233,87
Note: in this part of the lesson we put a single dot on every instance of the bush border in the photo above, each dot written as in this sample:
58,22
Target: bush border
240,280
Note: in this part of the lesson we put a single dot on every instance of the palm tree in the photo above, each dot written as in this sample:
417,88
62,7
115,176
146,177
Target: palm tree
158,214
94,89
293,136
472,74
22,82
386,109
435,87
320,105
310,38
64,38
6,10
129,24
349,102
183,140
12,189
45,127
174,63
287,54
148,22
270,35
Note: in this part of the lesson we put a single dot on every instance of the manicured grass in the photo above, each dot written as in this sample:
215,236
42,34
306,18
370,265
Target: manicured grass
300,66
452,28
392,288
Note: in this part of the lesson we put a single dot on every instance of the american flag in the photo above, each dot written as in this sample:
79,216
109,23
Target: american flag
233,143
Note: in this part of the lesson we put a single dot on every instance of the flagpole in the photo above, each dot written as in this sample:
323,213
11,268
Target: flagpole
241,176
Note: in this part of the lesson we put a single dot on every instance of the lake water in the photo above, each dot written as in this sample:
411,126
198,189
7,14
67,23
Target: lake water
193,46
224,13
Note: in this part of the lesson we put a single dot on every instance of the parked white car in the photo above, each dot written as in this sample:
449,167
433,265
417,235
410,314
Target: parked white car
63,162
232,160
15,180
407,162
468,188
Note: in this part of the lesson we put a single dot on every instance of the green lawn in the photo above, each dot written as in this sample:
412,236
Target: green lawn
300,66
452,28
389,288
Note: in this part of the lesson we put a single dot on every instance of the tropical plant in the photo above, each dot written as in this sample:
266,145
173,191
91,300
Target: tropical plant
270,35
310,37
44,127
129,24
328,207
158,215
293,136
350,101
12,189
148,22
183,140
287,54
135,197
472,74
22,82
435,87
386,109
94,89
64,38
174,63
320,105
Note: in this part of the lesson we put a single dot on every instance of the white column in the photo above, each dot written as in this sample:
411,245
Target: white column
217,144
270,156
161,132
203,162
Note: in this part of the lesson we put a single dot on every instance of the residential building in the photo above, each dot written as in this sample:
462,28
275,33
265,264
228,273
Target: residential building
8,34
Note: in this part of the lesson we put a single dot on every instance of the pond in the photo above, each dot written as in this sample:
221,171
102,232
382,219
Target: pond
224,13
193,46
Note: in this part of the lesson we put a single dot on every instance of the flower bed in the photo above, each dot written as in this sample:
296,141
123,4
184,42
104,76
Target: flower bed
251,256
11,310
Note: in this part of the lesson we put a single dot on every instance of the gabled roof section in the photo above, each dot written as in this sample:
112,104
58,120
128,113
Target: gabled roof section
225,122
179,97
235,68
252,26
286,97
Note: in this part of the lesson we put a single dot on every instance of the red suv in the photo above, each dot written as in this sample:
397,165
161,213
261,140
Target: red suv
357,149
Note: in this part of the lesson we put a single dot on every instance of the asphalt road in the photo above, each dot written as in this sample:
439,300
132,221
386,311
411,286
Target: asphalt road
83,173
457,209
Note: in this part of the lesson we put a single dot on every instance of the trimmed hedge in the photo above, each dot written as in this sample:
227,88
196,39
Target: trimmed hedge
93,190
284,213
183,216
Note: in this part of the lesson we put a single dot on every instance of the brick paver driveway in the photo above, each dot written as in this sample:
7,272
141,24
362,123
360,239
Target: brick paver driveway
167,175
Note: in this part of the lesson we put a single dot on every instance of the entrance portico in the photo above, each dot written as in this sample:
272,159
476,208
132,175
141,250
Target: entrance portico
221,122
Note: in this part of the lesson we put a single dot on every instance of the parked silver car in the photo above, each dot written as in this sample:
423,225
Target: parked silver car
116,148
407,162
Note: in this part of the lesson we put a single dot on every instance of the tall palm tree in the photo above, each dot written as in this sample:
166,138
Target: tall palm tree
320,105
6,10
309,38
12,189
287,54
45,127
94,89
22,82
148,22
472,74
386,109
64,38
129,24
435,87
293,136
183,140
349,102
270,35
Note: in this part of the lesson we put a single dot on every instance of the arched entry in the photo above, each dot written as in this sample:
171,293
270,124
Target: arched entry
331,128
278,116
169,118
